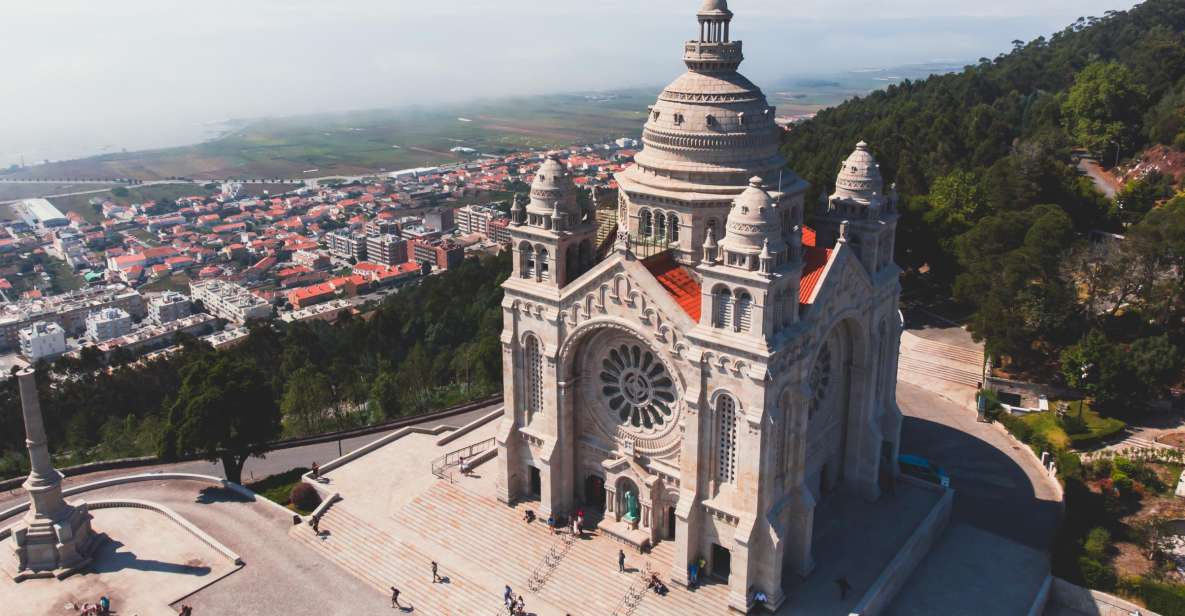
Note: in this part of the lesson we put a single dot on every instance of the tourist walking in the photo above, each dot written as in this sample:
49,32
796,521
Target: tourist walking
435,577
104,605
844,587
316,472
508,597
621,561
395,598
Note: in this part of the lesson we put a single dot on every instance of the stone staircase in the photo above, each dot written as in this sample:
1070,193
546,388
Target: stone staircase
922,360
382,561
491,537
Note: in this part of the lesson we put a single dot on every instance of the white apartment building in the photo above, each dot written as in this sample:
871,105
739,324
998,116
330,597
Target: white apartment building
108,323
168,307
42,340
230,301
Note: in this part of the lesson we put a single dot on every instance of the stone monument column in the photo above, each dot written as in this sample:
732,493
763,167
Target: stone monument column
54,538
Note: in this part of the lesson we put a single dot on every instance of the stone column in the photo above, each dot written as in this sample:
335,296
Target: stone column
53,539
44,482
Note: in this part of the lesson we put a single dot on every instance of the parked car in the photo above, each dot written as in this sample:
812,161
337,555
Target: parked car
917,466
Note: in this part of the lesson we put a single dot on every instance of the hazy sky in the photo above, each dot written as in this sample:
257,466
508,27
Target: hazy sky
81,76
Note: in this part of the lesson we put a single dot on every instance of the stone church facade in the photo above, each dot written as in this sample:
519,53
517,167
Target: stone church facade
725,368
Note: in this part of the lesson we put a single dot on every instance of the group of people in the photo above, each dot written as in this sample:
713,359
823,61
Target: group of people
102,608
575,524
515,606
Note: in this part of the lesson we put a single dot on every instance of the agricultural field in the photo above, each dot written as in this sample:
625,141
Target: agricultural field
375,141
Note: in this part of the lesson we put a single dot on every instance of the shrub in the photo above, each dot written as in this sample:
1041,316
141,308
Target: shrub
304,497
1163,598
1096,574
1016,427
1097,541
1122,482
1099,468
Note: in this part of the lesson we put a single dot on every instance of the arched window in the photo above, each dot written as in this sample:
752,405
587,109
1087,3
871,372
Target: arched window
672,227
534,361
544,270
645,223
660,224
726,443
820,379
528,268
722,307
744,311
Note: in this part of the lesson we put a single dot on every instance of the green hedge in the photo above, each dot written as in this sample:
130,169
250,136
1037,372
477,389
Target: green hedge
1166,599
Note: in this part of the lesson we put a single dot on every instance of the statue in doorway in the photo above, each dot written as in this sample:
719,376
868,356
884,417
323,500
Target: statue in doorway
632,510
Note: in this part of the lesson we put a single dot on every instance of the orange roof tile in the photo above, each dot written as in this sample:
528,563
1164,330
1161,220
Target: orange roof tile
815,261
678,281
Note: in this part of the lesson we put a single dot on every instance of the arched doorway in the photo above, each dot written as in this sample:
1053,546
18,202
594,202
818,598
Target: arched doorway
594,496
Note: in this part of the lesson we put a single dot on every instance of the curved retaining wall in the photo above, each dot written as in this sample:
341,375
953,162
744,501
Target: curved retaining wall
114,481
200,534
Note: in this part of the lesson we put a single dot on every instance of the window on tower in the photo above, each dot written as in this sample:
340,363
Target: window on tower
726,457
534,361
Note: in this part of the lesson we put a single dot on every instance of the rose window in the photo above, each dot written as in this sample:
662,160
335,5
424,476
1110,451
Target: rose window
637,387
820,378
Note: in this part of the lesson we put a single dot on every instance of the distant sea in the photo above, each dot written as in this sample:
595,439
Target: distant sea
55,146
810,91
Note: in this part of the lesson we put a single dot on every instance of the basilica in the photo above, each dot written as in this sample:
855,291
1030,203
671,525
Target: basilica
715,369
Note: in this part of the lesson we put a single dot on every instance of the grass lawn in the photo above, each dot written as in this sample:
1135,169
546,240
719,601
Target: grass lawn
177,282
1046,424
1082,427
277,487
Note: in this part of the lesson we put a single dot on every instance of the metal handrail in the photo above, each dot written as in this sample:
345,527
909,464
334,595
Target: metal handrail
453,458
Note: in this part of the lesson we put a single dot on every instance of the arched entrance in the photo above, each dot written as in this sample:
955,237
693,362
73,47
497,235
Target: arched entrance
594,495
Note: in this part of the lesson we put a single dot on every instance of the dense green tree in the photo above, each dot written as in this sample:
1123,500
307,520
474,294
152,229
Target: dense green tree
225,411
306,401
1104,108
385,398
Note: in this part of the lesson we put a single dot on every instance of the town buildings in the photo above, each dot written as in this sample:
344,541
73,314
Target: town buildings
40,213
70,310
346,245
725,369
229,301
386,249
168,306
42,340
107,323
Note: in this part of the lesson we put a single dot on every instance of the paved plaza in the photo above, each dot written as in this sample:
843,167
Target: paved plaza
146,563
395,518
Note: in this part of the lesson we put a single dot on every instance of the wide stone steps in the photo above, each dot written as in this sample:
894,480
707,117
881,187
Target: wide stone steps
913,344
586,580
945,372
382,561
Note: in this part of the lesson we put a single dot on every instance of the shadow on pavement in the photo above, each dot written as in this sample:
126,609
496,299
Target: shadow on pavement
214,494
992,490
110,560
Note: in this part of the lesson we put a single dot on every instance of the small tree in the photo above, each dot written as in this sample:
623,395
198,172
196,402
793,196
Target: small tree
225,411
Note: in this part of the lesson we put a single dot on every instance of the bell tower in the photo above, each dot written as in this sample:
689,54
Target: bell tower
553,237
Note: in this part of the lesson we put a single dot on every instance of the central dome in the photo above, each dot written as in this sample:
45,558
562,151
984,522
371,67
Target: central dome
711,128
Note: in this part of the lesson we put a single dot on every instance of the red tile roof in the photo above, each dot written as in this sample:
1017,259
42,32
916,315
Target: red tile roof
678,281
815,261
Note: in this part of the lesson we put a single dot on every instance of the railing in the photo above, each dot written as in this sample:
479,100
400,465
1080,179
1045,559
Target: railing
550,562
441,465
633,597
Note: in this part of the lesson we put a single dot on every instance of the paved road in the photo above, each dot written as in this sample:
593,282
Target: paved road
256,468
999,488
